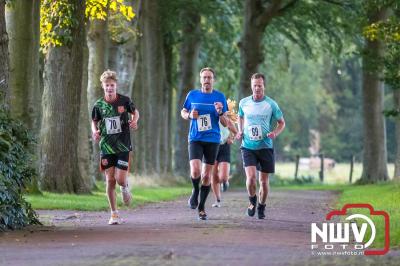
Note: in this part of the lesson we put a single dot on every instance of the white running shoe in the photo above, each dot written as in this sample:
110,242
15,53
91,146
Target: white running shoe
126,195
114,219
216,204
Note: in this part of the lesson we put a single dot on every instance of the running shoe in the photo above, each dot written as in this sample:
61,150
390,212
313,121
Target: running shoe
202,215
225,186
261,211
114,219
217,204
251,210
193,201
126,195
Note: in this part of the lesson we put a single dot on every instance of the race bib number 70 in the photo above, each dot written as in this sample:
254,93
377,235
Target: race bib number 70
204,122
113,125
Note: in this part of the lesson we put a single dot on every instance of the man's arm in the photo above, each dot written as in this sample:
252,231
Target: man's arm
279,128
185,114
224,120
231,127
134,119
194,114
239,134
95,130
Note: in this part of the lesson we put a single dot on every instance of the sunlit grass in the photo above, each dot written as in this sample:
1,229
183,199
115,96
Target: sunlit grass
337,175
98,201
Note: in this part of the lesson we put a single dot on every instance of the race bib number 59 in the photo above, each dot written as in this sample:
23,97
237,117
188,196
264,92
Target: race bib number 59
204,122
113,125
255,132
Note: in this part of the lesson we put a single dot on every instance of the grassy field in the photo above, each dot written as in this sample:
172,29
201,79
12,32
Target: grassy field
384,197
338,175
97,201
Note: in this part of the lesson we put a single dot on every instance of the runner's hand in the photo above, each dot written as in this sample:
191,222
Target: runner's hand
218,107
230,140
133,124
96,135
239,136
194,114
271,135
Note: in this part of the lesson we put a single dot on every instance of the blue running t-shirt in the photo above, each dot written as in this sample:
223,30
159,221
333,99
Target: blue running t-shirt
205,128
258,117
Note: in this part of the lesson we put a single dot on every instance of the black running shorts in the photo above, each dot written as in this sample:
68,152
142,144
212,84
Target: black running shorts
118,160
224,153
206,151
263,159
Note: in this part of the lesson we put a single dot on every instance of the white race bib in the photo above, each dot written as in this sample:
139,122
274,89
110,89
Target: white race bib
113,125
255,132
204,122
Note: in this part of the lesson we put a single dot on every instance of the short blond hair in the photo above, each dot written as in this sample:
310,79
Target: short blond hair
108,74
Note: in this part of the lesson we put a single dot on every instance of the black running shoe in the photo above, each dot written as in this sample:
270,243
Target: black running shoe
251,210
225,186
261,211
193,201
202,215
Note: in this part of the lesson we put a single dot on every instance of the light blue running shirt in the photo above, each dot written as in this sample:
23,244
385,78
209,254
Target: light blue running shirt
224,133
258,117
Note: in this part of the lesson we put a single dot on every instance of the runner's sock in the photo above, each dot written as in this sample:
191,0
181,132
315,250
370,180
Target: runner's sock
204,190
195,183
253,200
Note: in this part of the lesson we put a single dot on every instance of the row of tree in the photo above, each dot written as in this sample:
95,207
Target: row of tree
56,50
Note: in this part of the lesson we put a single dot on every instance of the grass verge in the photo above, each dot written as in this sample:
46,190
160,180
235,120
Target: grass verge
97,201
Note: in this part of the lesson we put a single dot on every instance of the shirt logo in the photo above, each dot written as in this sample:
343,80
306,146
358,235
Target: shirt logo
121,109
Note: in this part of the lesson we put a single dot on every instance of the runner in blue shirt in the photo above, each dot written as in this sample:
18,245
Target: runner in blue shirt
204,108
256,113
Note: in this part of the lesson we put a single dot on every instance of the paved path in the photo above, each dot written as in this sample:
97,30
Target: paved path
169,234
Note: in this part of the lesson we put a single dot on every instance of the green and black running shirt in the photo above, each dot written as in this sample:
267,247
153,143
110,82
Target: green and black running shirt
113,123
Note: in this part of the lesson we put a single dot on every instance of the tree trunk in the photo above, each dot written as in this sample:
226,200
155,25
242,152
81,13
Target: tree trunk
122,59
189,53
23,29
396,98
84,142
153,82
23,18
61,103
251,52
375,152
139,139
166,137
97,42
4,91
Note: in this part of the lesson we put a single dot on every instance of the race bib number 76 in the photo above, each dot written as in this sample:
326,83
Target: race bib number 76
204,122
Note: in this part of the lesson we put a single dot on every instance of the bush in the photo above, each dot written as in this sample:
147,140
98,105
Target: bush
15,171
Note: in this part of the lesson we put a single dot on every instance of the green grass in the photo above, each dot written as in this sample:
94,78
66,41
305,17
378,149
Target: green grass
337,175
97,201
383,197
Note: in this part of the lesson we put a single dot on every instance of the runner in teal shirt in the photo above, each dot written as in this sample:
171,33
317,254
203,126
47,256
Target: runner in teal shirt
256,115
